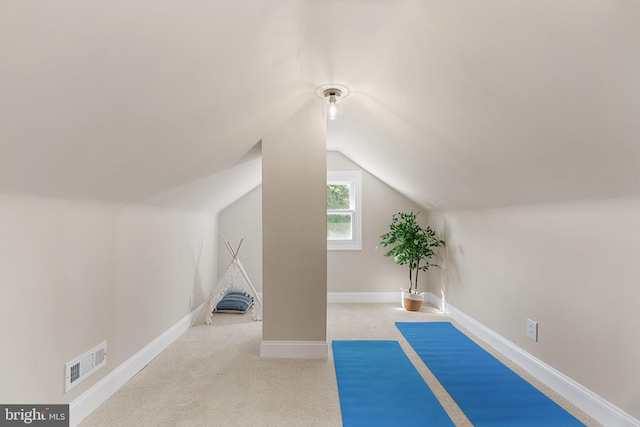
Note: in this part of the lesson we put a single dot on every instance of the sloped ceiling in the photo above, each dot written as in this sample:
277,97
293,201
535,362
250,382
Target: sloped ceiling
456,104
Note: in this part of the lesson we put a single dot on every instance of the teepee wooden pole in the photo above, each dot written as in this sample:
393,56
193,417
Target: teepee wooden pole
239,246
229,247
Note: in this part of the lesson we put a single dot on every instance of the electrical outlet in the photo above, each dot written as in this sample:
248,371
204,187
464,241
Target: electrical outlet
532,330
191,298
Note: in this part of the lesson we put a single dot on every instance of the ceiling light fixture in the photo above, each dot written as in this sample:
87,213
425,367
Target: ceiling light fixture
332,107
332,96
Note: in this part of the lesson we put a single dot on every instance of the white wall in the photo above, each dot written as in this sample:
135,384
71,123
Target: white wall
294,255
573,268
163,256
368,270
243,219
75,273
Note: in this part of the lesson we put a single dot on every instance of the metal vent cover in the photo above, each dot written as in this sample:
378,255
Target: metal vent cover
84,365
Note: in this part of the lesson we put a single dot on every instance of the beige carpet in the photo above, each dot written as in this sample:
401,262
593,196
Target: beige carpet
212,376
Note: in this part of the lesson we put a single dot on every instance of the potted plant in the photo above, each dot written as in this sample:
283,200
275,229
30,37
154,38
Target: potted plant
413,245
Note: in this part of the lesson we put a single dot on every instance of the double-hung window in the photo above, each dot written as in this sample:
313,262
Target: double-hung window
344,210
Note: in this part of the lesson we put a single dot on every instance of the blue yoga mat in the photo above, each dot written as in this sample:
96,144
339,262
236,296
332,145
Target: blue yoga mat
379,386
488,392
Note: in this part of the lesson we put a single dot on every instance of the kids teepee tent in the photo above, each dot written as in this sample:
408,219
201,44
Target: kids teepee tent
235,288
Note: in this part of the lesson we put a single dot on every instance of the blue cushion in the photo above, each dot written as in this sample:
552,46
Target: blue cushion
235,302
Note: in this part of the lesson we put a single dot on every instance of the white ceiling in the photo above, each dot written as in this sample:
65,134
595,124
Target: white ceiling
456,103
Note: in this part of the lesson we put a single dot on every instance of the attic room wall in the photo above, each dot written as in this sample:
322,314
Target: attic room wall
368,270
294,258
163,256
573,268
58,296
243,219
76,273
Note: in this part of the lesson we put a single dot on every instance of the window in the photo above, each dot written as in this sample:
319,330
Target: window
344,210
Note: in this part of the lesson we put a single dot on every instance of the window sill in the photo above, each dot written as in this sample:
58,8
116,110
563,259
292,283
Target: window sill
343,246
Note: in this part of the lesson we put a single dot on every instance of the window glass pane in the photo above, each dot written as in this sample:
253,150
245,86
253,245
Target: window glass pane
338,196
339,226
344,210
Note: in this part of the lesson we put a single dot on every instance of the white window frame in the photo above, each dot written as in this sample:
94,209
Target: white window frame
354,180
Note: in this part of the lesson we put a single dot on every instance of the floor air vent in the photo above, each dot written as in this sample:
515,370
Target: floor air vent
83,366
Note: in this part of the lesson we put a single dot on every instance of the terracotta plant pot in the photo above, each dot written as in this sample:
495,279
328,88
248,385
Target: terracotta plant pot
411,301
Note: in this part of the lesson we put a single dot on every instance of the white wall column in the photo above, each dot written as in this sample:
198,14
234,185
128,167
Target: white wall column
294,247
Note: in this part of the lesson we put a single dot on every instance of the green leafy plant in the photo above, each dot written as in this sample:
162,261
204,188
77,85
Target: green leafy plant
411,244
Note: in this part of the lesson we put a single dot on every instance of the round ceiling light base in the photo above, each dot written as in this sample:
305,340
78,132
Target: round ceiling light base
322,90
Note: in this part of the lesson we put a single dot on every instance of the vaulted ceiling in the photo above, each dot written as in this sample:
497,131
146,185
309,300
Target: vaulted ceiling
456,104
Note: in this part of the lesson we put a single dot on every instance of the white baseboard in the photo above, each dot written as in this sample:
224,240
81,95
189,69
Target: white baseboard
597,407
362,297
592,404
434,300
88,401
294,349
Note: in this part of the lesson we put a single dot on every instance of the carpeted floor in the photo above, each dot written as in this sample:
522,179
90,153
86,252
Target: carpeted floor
212,376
